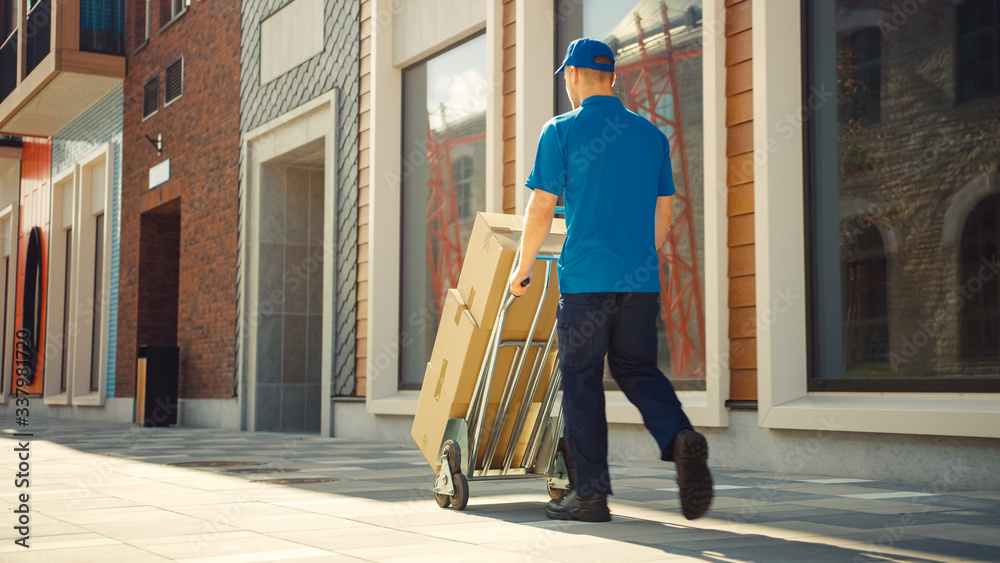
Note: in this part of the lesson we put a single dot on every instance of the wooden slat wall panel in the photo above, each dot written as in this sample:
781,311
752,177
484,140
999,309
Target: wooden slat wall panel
740,200
741,230
743,384
739,169
743,352
739,77
740,139
510,179
739,47
741,291
739,108
740,207
743,322
364,186
741,260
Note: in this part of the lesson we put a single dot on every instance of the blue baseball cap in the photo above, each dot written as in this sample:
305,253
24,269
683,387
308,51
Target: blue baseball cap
581,53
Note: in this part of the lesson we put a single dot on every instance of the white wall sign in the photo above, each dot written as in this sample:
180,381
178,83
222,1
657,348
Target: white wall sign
159,174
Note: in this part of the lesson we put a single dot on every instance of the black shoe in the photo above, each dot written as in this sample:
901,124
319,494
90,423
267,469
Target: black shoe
693,478
593,508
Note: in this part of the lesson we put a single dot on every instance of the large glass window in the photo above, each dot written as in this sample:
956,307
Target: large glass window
443,184
658,59
903,238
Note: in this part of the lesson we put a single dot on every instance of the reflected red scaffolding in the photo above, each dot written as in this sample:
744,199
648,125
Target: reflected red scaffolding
647,81
444,242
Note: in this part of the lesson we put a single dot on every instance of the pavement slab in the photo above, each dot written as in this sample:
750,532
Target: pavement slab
114,492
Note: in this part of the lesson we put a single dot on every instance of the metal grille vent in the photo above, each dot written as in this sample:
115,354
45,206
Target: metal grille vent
150,97
175,80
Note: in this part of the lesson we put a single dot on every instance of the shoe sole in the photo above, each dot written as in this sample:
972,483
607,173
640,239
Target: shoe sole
694,480
600,517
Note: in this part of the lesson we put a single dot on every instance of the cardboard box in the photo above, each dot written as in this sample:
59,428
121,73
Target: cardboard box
486,269
434,410
467,320
451,375
432,418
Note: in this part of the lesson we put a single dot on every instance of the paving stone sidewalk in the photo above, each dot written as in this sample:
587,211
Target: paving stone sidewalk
106,492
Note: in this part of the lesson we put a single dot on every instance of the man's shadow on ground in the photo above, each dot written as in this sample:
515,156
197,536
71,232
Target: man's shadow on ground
715,544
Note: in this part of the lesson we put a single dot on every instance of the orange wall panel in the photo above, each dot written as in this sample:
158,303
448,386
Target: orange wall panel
36,178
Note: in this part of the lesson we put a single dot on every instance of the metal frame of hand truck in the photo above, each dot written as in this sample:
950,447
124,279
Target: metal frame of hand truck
543,457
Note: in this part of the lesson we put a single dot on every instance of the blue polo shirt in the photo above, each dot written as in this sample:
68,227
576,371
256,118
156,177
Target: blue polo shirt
610,164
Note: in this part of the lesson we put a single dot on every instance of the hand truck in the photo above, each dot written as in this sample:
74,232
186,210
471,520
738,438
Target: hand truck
543,457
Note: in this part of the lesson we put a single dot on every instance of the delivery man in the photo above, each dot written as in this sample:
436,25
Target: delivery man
612,166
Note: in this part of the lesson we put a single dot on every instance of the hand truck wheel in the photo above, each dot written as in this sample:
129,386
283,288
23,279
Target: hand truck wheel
460,499
556,494
454,453
442,500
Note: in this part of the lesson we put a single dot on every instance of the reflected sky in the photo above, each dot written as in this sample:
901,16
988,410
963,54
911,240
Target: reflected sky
457,80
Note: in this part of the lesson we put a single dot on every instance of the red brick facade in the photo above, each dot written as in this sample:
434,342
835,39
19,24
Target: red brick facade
201,138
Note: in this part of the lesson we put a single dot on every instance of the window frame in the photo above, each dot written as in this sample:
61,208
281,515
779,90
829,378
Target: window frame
173,16
8,250
463,184
65,186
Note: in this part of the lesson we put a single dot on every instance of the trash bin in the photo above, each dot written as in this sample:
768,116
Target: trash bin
156,386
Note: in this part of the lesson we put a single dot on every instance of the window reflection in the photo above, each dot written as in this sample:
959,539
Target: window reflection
658,58
443,186
903,188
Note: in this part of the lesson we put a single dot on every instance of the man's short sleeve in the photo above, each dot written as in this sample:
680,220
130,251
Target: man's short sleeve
666,174
549,171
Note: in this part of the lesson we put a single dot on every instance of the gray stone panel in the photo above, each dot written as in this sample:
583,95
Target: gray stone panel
336,67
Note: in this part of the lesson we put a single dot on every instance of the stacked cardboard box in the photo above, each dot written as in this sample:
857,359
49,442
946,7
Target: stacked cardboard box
467,320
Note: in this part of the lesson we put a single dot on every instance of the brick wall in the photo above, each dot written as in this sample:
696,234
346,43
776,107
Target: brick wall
739,180
201,138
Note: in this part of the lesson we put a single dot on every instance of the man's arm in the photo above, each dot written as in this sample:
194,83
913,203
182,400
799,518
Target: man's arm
664,217
537,223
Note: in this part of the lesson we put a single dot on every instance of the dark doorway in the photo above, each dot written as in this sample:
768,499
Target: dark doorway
290,292
159,266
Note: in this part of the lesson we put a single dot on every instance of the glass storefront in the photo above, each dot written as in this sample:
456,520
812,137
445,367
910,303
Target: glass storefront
903,194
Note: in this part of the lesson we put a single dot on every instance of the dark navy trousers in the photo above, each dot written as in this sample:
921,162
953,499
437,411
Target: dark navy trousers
623,327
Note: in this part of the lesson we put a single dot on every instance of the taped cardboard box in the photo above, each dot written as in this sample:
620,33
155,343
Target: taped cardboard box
444,396
451,375
486,269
